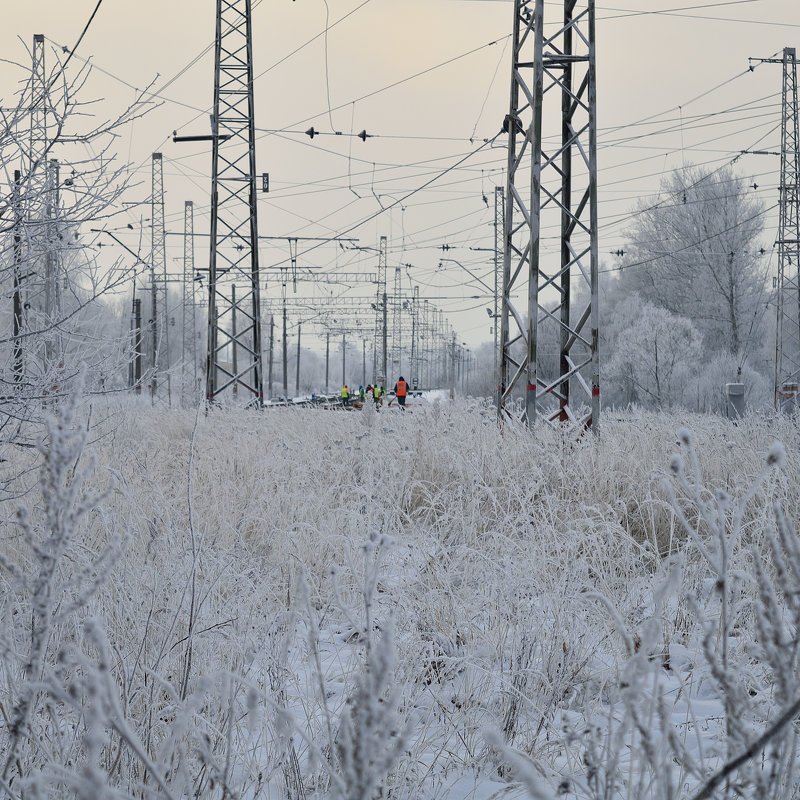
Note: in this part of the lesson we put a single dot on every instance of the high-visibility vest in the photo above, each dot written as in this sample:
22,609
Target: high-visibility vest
345,393
402,389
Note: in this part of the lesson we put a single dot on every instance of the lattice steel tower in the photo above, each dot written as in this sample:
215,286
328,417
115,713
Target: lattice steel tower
36,194
787,348
499,216
36,176
381,312
554,187
234,317
397,330
52,277
158,266
188,311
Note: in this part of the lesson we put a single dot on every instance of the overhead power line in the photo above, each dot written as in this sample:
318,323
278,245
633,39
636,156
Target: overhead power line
83,33
647,261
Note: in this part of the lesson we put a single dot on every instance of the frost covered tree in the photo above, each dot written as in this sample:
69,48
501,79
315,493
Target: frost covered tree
695,251
655,358
61,176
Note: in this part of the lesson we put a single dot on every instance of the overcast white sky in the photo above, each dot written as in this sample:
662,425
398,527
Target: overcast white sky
655,60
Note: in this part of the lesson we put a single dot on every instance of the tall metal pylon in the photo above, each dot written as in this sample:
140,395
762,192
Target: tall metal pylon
787,339
499,215
38,137
188,311
552,81
379,365
158,267
234,225
397,336
52,278
36,200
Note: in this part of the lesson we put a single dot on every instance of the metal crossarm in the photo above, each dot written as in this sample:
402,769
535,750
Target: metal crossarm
234,308
550,351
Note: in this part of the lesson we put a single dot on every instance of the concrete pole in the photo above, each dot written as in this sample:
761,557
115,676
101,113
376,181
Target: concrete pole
285,356
344,359
137,344
413,376
234,354
453,367
297,376
327,358
132,336
271,342
385,337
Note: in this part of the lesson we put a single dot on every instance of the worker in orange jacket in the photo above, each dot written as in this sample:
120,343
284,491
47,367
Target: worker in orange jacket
400,392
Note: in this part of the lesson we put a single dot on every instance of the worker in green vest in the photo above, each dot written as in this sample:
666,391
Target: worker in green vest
345,395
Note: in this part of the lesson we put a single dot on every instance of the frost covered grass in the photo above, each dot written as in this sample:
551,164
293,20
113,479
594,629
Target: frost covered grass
300,603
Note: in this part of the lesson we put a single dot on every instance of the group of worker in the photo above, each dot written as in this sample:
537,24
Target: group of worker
377,393
345,394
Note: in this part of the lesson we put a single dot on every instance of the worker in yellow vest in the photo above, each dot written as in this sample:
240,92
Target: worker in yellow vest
345,395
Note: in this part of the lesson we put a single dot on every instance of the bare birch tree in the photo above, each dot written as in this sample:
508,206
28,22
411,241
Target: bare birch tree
61,175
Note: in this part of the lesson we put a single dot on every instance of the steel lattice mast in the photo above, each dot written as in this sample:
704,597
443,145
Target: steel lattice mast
36,195
380,317
397,337
499,215
52,288
158,265
234,227
787,349
189,310
553,79
38,144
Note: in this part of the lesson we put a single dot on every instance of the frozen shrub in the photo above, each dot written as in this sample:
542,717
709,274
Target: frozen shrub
43,600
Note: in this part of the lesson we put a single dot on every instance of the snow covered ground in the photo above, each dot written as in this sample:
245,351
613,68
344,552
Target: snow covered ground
304,603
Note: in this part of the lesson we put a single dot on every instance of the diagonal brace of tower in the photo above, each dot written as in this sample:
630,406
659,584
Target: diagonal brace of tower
551,183
234,307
